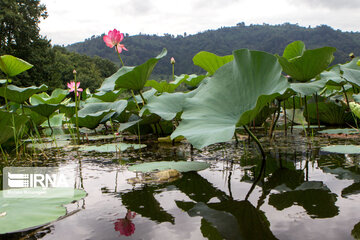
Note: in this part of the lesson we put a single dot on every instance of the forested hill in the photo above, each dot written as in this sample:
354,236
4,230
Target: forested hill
269,38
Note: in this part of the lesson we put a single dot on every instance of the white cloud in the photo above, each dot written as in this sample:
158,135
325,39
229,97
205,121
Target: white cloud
71,21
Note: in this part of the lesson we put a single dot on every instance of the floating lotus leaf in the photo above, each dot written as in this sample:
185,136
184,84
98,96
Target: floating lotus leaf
339,131
111,147
343,149
56,97
26,213
20,95
181,166
308,65
7,122
13,66
2,81
132,77
48,145
211,62
234,95
164,86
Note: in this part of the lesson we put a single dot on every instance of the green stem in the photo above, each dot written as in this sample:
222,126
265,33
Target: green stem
347,100
133,95
173,72
6,84
307,113
122,63
76,111
317,110
52,131
256,140
142,97
285,122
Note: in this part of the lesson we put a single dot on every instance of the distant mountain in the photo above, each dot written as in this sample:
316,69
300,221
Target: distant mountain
269,38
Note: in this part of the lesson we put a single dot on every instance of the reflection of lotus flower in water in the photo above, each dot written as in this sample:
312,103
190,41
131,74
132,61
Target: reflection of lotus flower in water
124,225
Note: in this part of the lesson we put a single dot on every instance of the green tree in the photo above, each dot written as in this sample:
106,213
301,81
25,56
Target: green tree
20,37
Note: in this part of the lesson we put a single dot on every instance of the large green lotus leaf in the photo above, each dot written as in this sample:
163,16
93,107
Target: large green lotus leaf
333,76
294,49
330,113
343,149
109,96
307,66
20,95
194,80
55,121
167,105
7,121
339,131
308,88
355,108
181,166
211,62
235,94
111,147
44,109
68,109
164,86
91,119
351,72
132,77
90,108
13,66
56,97
147,95
25,213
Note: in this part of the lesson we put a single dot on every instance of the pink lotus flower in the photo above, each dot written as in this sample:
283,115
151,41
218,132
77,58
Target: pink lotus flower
71,85
113,39
124,225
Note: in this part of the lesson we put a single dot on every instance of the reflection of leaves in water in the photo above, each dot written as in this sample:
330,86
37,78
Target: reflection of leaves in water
230,219
198,188
209,231
284,176
252,223
143,202
313,196
356,231
350,190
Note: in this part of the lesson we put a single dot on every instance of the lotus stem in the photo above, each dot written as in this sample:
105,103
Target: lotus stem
275,121
142,97
133,95
173,72
285,119
76,110
262,168
347,100
52,131
256,140
317,110
293,116
122,63
307,113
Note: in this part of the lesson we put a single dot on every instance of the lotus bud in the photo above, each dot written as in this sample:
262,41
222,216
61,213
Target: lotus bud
172,60
74,72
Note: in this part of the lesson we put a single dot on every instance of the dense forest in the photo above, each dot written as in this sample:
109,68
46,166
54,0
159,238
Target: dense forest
269,38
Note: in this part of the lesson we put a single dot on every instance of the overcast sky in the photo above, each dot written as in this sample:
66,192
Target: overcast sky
73,21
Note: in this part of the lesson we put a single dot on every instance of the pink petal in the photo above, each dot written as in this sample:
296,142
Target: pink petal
69,85
79,90
108,41
77,84
123,47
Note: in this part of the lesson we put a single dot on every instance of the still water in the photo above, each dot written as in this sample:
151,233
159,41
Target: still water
303,193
